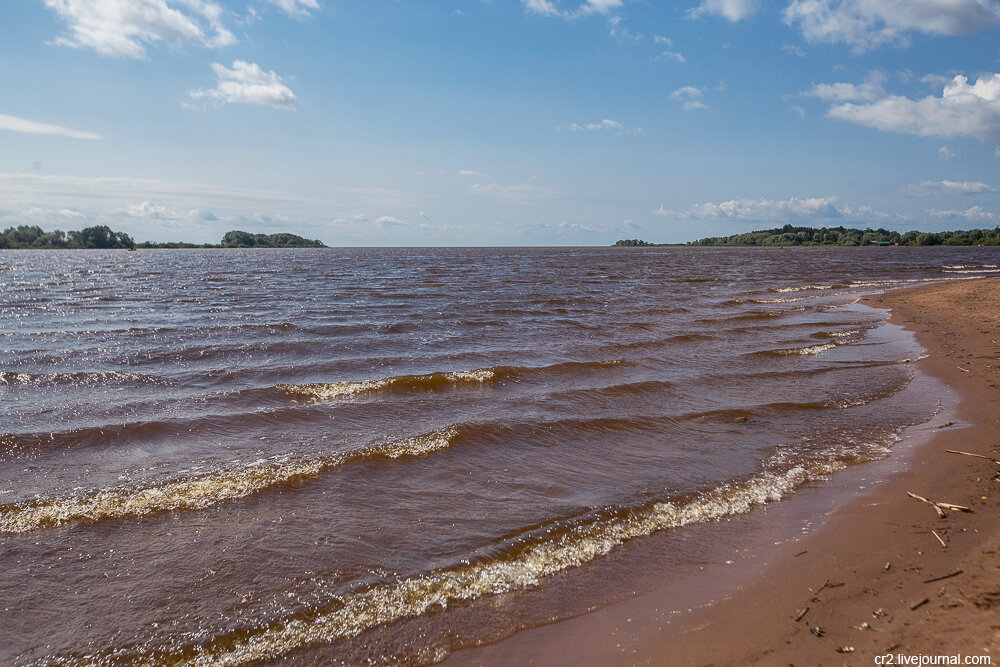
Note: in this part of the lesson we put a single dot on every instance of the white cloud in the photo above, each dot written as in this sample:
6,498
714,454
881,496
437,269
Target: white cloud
673,55
734,10
201,215
799,111
866,24
247,83
148,209
690,97
470,172
296,7
761,210
515,194
15,124
161,204
548,8
565,226
794,50
946,153
617,30
963,110
932,188
124,28
971,215
868,91
606,125
660,39
390,221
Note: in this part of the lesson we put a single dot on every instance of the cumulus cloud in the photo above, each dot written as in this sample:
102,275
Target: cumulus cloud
932,188
247,83
690,97
296,7
549,8
868,91
390,221
566,226
123,28
761,210
148,209
606,125
734,10
971,215
202,215
866,24
15,124
962,110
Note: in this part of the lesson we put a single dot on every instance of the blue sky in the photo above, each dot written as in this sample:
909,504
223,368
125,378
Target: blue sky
498,122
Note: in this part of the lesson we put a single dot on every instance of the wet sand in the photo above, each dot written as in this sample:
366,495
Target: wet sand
883,574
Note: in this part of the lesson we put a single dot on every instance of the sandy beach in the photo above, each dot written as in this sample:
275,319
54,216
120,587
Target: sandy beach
884,574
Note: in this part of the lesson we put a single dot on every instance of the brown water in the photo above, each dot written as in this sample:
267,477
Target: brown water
225,457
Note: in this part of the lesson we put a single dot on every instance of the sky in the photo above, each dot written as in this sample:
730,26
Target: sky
498,122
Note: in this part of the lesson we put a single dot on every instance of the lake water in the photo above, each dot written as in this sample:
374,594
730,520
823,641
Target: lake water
232,456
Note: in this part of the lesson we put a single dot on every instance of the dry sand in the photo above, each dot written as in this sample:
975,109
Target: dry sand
876,578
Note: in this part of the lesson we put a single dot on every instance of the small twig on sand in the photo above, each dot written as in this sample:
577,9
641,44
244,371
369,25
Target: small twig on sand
917,605
978,456
954,507
937,508
964,370
942,578
802,615
934,533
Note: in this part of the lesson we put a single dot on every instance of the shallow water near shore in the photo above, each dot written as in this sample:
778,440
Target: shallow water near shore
388,454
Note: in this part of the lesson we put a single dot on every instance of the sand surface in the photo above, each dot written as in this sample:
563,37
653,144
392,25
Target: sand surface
885,574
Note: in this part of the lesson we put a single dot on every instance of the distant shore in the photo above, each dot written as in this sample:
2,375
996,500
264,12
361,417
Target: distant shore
875,578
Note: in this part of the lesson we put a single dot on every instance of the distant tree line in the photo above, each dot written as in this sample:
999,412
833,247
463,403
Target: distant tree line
632,243
26,236
103,237
238,239
842,236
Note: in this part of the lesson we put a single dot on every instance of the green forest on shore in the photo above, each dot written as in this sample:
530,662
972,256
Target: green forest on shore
838,236
25,237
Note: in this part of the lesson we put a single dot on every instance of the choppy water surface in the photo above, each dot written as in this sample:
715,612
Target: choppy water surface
387,454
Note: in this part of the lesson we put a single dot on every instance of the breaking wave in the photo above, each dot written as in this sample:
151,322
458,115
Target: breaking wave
434,381
521,563
203,491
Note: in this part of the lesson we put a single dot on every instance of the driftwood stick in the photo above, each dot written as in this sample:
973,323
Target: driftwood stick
917,605
942,578
956,508
802,615
934,533
937,508
978,456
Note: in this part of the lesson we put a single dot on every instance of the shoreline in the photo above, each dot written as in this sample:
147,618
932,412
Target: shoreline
874,560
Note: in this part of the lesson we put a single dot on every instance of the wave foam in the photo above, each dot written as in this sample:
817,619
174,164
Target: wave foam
201,492
522,564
